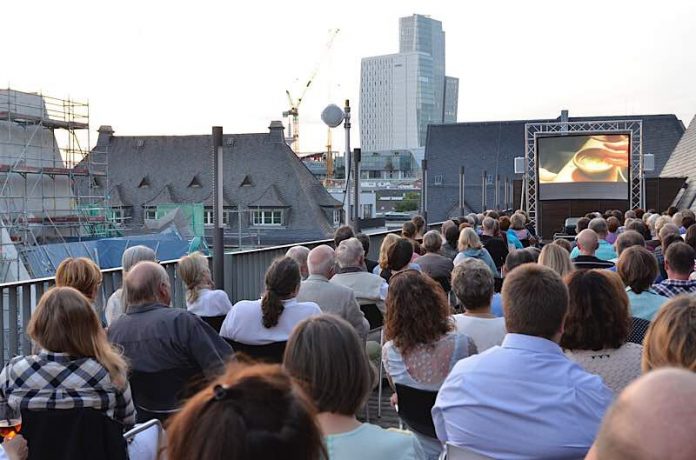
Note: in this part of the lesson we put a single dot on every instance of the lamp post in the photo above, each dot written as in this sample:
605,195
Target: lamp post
218,231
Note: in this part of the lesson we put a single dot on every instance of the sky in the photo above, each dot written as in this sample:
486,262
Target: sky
180,67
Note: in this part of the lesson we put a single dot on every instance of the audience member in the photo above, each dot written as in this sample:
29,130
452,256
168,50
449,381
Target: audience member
679,263
517,225
470,246
581,224
131,256
408,231
342,233
331,297
628,239
299,255
637,268
613,225
512,261
597,327
201,298
477,398
556,258
365,241
638,226
472,283
565,244
669,233
250,412
671,338
329,360
367,287
272,318
587,243
419,222
399,258
75,366
451,236
653,418
688,219
671,211
510,236
677,219
383,263
496,246
604,250
82,274
432,263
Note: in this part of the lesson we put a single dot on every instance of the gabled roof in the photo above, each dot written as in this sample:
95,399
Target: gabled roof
682,163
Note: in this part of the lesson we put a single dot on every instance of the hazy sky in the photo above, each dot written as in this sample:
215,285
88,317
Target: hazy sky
178,67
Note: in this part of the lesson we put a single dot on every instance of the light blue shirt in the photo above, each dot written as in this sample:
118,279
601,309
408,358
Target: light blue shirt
512,239
521,400
605,251
497,305
370,442
646,304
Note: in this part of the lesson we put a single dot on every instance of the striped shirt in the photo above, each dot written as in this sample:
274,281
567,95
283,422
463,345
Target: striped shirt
672,288
582,262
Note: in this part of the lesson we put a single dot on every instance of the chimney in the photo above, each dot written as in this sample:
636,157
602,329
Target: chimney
564,116
276,131
106,132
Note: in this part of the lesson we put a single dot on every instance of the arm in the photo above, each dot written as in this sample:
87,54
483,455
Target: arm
124,411
356,317
207,348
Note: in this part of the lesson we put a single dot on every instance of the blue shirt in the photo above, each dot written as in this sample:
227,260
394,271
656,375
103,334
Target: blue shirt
521,400
512,239
646,304
497,305
605,251
481,254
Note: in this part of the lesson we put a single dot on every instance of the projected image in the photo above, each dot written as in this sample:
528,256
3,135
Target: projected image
573,159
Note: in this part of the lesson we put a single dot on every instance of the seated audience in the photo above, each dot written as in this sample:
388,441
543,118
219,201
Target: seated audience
587,243
496,246
628,239
472,283
131,256
271,318
688,219
512,261
75,365
604,250
419,354
597,327
565,244
383,263
342,233
299,255
419,222
365,241
399,258
408,231
82,274
251,412
557,259
432,263
679,263
637,268
367,287
201,298
640,227
671,337
517,225
653,418
450,235
581,224
677,219
331,297
548,405
510,236
329,360
470,246
613,225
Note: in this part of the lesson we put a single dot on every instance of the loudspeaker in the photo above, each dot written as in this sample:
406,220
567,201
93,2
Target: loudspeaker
519,165
648,162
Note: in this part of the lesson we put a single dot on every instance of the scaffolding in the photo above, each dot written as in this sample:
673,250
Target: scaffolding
44,149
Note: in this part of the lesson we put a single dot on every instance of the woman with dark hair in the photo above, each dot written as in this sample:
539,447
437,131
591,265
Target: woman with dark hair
253,411
637,268
422,342
329,360
671,338
613,225
450,235
409,231
272,318
419,222
597,327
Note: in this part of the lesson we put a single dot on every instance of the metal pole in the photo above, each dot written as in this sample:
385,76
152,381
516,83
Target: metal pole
483,190
497,191
505,193
424,191
218,232
356,174
461,190
346,125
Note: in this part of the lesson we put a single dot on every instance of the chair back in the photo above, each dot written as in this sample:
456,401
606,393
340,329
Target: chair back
415,408
639,327
270,353
73,434
462,453
372,315
144,440
214,321
159,394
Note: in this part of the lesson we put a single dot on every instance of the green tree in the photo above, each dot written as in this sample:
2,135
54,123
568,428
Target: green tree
410,202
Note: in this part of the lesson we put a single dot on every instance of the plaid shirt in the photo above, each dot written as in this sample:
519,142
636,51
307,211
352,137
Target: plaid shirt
57,381
673,288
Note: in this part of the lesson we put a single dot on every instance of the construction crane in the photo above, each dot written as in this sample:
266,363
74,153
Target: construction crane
293,113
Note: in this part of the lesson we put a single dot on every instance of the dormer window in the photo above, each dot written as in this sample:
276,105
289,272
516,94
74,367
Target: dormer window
195,183
247,181
145,183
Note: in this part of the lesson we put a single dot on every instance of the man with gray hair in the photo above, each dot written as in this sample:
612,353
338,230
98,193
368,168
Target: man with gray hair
331,297
432,263
604,250
367,287
131,256
587,243
299,254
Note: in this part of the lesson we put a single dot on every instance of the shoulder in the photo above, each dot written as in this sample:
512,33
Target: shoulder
400,439
311,307
216,294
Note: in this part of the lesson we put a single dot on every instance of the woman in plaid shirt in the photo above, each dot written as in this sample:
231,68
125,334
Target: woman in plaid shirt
75,367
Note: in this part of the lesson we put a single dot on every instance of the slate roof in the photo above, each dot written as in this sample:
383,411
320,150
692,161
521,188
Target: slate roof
492,146
682,163
260,170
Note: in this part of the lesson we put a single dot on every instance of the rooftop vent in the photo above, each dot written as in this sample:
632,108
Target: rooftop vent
145,183
195,183
246,182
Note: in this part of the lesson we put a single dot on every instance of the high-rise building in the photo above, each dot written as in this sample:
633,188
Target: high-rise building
401,94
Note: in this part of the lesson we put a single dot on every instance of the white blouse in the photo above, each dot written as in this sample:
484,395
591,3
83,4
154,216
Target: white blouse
210,303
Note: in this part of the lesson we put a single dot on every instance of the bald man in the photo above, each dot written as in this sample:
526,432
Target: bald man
331,298
587,243
653,418
299,254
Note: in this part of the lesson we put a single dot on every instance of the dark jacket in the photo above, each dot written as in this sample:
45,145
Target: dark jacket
497,248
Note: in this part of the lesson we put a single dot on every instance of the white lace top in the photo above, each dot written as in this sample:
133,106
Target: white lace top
617,366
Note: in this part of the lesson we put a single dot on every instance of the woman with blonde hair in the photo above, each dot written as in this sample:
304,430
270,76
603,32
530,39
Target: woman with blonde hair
556,258
75,366
671,338
389,240
80,273
470,246
201,299
131,256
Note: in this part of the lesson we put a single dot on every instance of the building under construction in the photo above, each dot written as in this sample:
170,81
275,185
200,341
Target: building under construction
44,146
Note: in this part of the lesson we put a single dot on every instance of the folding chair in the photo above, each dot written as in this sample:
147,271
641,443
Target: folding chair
414,409
271,353
144,440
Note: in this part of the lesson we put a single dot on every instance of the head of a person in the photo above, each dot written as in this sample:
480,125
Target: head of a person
688,218
282,282
671,337
677,219
517,258
630,214
588,242
468,239
651,418
488,226
325,354
504,222
651,223
350,254
679,260
517,221
671,211
322,261
565,244
299,254
473,284
147,282
252,411
639,213
667,230
637,268
408,230
598,311
613,224
628,239
661,222
399,255
419,222
599,226
452,236
690,237
365,241
194,272
417,311
79,273
65,322
445,225
342,233
432,241
135,254
638,226
493,214
581,224
389,240
556,258
535,302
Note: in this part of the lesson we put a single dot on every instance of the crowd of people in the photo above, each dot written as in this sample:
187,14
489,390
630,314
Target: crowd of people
525,350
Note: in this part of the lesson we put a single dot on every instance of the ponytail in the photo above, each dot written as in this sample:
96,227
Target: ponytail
282,281
271,307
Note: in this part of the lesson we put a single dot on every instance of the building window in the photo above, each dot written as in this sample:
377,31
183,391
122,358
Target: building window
267,217
367,211
150,212
438,179
337,214
209,217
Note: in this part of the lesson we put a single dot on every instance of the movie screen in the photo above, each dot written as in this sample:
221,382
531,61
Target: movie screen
583,167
